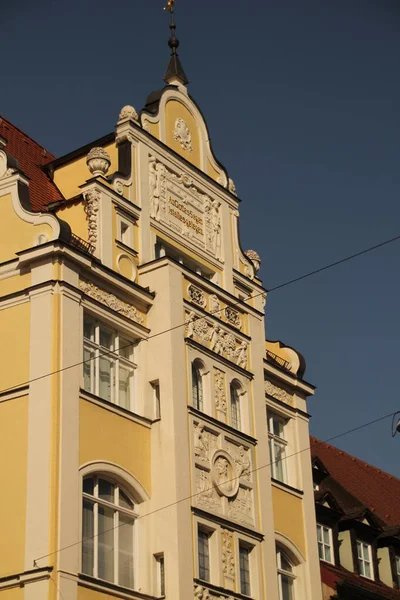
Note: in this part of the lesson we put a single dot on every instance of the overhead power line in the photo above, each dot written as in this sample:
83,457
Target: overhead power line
191,496
250,297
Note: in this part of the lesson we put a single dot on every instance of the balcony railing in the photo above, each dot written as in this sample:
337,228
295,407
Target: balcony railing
81,244
284,364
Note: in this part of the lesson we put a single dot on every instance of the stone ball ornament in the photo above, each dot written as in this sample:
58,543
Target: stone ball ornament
128,112
98,161
224,474
255,259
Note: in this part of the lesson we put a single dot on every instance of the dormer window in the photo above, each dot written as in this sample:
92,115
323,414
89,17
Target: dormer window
364,557
325,545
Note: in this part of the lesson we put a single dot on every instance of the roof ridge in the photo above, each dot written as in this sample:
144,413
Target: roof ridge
362,463
50,155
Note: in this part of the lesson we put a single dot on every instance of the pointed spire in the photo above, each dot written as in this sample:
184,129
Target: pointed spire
174,69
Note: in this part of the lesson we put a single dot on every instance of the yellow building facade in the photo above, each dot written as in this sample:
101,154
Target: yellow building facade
152,440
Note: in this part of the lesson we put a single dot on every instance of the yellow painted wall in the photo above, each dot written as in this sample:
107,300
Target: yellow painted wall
15,284
173,111
288,517
154,129
13,467
87,594
213,173
109,437
16,234
69,177
75,216
14,352
16,593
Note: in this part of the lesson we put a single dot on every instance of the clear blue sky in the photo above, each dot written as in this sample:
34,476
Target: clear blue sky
302,100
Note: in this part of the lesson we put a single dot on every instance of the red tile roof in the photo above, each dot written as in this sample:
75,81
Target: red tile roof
31,156
375,489
331,575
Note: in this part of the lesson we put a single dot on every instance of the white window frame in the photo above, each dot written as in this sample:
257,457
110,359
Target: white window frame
210,533
323,545
249,549
282,573
360,544
397,566
280,441
117,510
99,351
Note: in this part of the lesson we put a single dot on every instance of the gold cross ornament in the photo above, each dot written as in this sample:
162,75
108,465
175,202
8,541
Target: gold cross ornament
170,5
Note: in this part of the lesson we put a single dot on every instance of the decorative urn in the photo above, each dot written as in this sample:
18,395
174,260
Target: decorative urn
98,161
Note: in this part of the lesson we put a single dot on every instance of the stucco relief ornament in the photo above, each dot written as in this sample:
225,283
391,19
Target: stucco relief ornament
217,339
197,296
4,170
190,320
232,187
201,593
182,135
224,474
98,161
215,305
230,345
228,560
128,112
200,441
277,392
241,355
219,391
233,317
91,208
201,329
125,309
255,259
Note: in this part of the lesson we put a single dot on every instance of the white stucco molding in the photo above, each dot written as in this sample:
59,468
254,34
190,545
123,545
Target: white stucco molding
9,185
290,547
119,475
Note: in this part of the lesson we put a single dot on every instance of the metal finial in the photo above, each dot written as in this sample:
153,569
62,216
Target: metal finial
174,68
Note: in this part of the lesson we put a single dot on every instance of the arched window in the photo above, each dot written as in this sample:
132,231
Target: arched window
286,576
197,386
235,404
108,519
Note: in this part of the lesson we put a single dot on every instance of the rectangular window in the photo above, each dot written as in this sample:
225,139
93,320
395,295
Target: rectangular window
108,363
204,554
364,557
160,565
244,563
125,232
277,446
397,561
325,550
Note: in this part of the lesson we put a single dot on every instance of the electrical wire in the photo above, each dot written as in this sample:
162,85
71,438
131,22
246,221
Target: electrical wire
176,502
250,297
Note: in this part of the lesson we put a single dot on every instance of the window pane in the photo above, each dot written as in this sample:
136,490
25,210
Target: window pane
197,388
328,556
87,538
106,544
88,328
106,338
125,559
162,576
124,387
287,588
106,490
279,452
321,550
204,557
88,485
235,407
107,379
326,535
125,348
89,369
124,501
285,564
244,570
319,533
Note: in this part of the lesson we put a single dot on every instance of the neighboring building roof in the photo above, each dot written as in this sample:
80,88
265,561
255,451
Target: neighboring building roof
31,156
333,576
375,489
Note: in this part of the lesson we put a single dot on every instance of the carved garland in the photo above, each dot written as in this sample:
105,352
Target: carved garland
91,207
219,390
125,309
277,392
228,559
